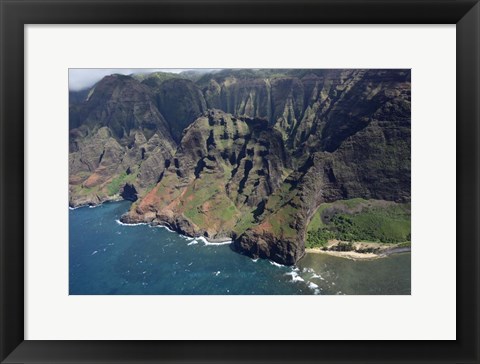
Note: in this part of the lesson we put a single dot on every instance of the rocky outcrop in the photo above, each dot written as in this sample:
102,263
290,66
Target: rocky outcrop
117,137
243,154
180,101
223,169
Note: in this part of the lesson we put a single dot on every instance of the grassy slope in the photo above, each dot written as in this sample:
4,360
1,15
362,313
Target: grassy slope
109,188
360,220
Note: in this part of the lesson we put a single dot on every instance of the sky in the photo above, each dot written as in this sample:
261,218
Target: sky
81,78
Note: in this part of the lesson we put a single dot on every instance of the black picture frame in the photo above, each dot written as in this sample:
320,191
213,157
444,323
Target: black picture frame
16,13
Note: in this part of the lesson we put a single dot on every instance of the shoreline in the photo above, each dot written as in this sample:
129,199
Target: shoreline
207,241
347,255
164,224
384,251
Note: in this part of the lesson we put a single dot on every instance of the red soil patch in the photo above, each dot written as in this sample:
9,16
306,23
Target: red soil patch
264,226
75,180
175,204
95,179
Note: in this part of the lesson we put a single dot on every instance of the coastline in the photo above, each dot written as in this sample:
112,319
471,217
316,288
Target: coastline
381,250
347,255
170,228
92,204
164,224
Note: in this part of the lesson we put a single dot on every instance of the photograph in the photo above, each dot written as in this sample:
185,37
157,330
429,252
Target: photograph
178,176
209,181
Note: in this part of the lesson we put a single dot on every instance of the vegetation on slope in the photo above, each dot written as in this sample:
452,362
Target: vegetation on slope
360,220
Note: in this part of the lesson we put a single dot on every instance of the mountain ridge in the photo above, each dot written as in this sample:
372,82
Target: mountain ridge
247,155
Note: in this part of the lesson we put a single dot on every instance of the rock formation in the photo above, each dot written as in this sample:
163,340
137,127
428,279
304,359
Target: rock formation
247,155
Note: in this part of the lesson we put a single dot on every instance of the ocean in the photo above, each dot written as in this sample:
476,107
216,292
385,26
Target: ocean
107,257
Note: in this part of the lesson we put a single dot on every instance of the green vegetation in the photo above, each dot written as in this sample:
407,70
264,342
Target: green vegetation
80,190
406,244
245,222
319,238
114,186
205,203
360,220
280,221
161,76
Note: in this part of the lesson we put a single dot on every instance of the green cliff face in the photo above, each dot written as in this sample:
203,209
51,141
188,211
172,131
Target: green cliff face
117,138
249,155
225,167
180,101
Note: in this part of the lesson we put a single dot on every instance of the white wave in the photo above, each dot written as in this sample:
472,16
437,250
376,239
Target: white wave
73,208
276,264
193,242
318,276
167,228
125,224
295,276
186,237
95,252
217,273
308,270
206,242
92,206
314,287
255,260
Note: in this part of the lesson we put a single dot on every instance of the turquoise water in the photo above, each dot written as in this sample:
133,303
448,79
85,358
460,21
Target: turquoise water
106,257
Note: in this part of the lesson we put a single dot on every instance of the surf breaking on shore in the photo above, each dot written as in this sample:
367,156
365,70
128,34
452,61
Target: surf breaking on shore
193,239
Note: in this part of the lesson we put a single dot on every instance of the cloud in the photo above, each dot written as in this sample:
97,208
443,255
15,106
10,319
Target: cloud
81,78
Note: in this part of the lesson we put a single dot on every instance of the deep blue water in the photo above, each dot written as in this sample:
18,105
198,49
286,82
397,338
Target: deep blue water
109,258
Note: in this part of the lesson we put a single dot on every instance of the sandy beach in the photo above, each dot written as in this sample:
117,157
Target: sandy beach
349,255
383,250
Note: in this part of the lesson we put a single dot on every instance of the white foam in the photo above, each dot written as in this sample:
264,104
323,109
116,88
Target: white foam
95,252
295,276
124,224
217,273
276,264
255,260
186,237
314,287
193,242
206,242
167,228
318,276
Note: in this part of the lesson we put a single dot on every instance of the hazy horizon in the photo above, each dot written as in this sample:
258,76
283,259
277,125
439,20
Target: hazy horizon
82,78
